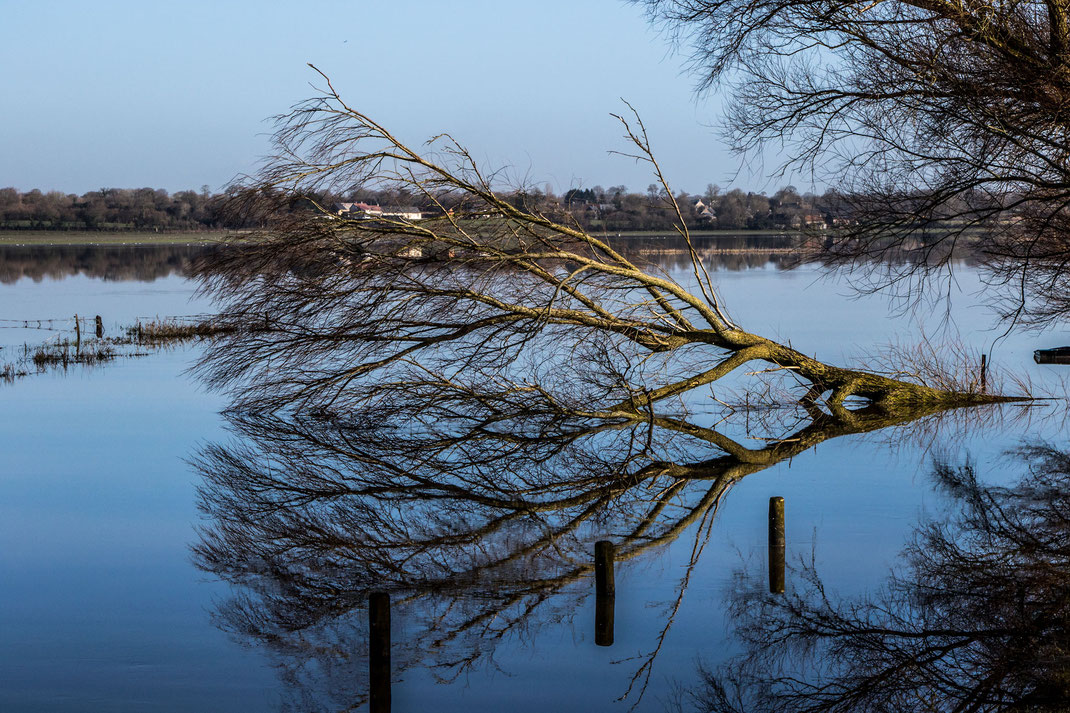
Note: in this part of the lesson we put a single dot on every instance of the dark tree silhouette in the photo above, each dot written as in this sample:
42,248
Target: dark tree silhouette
944,123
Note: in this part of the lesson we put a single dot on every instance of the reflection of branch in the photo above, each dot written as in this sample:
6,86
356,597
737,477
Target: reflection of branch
702,537
477,511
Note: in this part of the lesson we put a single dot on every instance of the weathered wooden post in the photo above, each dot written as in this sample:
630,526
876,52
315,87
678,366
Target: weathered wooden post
603,620
777,545
379,652
77,335
605,592
100,327
603,569
984,373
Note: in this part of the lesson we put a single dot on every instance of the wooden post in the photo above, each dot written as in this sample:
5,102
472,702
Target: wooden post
603,620
77,335
379,652
777,545
605,592
984,373
100,327
603,569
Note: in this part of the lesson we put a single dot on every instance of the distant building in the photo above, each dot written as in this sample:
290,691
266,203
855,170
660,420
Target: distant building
358,211
808,220
405,212
704,212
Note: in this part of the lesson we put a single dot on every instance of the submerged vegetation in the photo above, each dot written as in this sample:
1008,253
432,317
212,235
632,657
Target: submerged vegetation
70,349
169,331
65,354
61,354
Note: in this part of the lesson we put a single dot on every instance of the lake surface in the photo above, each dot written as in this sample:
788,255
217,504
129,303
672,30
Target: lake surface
107,602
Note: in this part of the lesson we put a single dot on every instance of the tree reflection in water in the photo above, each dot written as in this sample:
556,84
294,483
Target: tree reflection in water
144,263
977,619
477,510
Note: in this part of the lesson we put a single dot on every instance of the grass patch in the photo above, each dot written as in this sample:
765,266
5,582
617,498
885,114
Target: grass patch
157,334
61,355
10,372
173,330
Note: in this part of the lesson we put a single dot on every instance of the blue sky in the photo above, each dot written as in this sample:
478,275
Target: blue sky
176,95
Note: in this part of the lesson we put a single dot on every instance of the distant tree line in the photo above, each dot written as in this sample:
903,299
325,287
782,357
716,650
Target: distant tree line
613,209
110,209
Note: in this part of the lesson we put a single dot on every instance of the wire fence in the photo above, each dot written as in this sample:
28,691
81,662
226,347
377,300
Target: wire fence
67,323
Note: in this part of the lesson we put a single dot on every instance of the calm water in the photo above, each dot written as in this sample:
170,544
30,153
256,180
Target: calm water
103,606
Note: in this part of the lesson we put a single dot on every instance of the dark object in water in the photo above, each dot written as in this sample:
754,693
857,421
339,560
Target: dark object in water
1058,355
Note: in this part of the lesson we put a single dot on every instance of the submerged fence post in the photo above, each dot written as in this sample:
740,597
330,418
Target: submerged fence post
777,545
603,569
603,620
77,335
379,652
984,373
100,327
605,592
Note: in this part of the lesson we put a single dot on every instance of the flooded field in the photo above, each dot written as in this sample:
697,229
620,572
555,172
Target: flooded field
160,552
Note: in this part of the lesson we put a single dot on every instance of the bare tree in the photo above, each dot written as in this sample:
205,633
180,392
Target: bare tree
461,404
485,285
945,124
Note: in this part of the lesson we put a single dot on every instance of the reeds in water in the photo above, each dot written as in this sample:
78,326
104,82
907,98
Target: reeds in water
173,330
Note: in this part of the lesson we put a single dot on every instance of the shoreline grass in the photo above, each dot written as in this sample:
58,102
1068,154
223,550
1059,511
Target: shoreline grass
171,330
31,238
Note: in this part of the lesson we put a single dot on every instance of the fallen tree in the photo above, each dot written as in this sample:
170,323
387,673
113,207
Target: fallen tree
488,286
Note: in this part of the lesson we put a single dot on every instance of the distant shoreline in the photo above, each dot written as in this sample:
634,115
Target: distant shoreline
37,238
15,238
670,233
